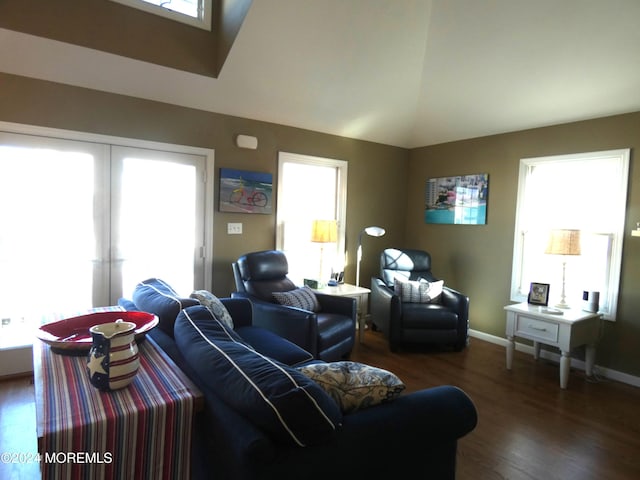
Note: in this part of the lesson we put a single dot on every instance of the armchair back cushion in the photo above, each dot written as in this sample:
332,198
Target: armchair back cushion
407,264
262,273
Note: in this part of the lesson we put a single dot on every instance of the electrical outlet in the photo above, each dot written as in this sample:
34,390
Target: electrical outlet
234,228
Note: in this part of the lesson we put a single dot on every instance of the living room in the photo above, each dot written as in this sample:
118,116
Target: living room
386,184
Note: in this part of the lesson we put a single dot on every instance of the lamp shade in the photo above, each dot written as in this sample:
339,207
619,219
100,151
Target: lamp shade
324,231
563,242
372,231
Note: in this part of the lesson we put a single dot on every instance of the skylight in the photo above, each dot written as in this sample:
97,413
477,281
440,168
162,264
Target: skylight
192,12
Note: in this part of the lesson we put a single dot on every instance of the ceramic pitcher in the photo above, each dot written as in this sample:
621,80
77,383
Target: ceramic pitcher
113,358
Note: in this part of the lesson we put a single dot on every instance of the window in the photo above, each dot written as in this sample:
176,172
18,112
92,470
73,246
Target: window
192,12
82,223
586,192
310,188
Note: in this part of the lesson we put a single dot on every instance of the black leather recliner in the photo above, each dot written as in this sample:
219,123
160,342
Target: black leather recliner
443,323
329,333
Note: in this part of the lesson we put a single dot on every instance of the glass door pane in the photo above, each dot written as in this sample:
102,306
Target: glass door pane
157,228
47,237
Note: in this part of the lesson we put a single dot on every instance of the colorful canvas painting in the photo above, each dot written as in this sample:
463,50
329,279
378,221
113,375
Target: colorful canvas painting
457,200
243,191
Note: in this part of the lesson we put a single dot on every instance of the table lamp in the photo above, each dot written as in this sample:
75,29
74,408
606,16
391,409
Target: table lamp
563,242
324,231
372,232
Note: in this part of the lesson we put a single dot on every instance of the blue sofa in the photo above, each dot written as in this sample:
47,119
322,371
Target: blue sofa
240,435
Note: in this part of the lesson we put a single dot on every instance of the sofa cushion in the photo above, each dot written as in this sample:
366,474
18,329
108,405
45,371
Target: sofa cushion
418,291
157,297
212,302
274,346
279,399
303,298
355,385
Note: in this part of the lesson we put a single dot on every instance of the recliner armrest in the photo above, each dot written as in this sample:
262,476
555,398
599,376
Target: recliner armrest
296,325
456,301
385,306
335,304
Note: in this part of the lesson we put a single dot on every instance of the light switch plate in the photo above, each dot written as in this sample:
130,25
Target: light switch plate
234,228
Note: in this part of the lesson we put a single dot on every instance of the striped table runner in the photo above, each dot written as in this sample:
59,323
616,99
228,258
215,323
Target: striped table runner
138,432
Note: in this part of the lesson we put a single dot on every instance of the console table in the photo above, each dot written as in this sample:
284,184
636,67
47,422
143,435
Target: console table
141,431
571,329
361,295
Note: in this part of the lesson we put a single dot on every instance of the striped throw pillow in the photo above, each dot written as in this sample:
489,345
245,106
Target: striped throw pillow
303,298
418,291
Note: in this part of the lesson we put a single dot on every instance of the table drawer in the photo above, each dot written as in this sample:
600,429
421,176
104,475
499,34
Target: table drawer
537,329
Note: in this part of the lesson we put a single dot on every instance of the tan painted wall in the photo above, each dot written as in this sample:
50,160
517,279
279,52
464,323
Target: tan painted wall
477,259
377,173
386,187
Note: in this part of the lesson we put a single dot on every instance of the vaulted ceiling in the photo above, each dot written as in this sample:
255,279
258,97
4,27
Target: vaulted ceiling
408,73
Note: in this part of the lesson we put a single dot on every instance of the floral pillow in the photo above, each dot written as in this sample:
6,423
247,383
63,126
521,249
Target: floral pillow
214,304
353,385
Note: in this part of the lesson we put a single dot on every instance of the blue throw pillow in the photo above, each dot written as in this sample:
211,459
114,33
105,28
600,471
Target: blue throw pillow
157,297
282,401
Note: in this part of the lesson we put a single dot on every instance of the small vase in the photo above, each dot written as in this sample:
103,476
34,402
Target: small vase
113,358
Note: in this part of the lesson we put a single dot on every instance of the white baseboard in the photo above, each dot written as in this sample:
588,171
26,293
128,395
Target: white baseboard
555,357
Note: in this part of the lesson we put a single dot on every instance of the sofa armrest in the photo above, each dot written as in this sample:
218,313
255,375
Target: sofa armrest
415,435
442,412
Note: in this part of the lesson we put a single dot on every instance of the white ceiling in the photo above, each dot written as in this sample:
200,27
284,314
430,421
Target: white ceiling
400,72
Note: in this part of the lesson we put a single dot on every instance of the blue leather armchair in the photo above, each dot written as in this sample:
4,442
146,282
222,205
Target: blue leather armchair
329,333
443,323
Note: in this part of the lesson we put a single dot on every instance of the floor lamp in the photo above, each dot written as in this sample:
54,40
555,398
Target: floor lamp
324,231
563,242
372,232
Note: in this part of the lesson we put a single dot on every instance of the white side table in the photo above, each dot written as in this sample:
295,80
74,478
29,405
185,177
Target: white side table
361,295
571,329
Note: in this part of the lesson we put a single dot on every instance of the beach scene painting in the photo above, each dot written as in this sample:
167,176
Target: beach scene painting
243,191
457,199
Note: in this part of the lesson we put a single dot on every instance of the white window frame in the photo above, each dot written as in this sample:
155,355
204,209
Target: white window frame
519,291
203,20
341,194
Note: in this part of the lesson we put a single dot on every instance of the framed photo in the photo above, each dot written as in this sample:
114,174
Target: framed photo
457,199
243,191
539,294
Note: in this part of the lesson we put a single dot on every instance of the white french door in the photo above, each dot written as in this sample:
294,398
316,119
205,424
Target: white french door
81,223
157,227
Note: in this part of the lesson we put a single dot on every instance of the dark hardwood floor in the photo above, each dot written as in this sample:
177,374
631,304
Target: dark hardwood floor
528,427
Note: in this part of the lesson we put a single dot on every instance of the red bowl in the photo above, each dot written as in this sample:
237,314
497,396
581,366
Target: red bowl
72,336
